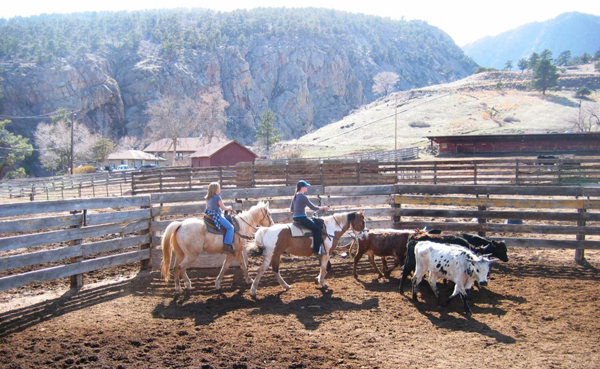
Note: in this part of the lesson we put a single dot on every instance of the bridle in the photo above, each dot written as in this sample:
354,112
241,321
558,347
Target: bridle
264,215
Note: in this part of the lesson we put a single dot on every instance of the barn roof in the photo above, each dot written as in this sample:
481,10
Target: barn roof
213,147
188,144
517,137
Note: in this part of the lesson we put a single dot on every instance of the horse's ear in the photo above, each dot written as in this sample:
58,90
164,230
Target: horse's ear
267,204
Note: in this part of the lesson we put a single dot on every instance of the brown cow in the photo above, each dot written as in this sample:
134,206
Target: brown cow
386,242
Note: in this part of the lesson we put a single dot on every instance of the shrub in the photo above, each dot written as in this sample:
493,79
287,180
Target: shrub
85,169
419,124
484,69
582,92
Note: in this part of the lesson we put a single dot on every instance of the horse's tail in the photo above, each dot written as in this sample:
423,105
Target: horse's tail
256,248
169,243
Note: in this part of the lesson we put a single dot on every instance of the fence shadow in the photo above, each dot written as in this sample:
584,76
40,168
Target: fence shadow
577,271
17,320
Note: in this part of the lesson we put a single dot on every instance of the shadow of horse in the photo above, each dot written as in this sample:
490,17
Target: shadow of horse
307,310
17,320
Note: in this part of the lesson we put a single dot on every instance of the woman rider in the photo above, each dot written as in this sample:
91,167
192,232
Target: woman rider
299,203
214,209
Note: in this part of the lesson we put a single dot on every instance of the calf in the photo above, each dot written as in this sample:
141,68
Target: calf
384,243
410,263
483,246
452,262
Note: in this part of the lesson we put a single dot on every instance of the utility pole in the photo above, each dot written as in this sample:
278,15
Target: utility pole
72,123
396,123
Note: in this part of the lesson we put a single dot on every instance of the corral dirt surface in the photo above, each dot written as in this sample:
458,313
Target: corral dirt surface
540,310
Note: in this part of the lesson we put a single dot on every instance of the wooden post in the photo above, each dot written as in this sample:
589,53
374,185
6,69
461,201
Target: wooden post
517,172
79,189
221,176
93,188
132,184
253,175
358,172
396,219
321,174
434,173
190,180
62,189
580,252
107,180
160,181
47,193
32,196
475,173
146,265
77,279
287,173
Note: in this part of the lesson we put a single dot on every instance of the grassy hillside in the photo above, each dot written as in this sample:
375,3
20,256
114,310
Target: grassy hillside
487,103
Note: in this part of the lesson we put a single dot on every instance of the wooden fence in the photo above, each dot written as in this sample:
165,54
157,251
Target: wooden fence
68,238
102,184
519,172
55,239
548,213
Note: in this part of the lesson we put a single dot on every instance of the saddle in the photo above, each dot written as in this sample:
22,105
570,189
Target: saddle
211,228
298,230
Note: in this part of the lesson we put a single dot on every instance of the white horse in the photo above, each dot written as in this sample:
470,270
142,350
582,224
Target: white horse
189,238
277,239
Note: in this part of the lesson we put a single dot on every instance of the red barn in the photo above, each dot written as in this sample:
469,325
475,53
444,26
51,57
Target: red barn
222,153
518,143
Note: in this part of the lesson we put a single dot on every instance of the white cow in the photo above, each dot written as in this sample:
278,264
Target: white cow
452,262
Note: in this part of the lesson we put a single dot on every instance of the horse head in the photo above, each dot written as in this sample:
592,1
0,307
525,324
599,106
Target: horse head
357,221
261,214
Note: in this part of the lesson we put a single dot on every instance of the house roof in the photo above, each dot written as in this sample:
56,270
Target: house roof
189,144
213,147
132,155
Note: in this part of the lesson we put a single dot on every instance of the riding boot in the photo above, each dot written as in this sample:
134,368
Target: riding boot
228,248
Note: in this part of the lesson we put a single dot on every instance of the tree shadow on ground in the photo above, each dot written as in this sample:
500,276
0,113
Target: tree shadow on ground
560,100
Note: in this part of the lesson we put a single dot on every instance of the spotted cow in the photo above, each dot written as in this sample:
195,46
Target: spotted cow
452,262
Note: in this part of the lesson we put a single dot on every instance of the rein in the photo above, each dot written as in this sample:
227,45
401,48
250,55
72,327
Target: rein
250,225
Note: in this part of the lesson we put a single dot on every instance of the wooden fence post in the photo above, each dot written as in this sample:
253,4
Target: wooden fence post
517,172
287,173
475,173
107,182
434,173
221,176
160,181
77,279
358,172
396,219
580,252
253,175
146,265
190,180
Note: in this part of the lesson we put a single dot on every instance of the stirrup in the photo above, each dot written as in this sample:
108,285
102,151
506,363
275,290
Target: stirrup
228,248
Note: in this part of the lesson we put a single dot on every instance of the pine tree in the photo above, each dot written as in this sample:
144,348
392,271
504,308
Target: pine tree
266,132
544,76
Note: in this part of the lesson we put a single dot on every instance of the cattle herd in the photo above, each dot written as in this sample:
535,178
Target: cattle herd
463,258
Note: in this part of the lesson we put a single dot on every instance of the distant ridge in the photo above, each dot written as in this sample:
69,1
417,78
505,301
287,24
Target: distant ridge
574,31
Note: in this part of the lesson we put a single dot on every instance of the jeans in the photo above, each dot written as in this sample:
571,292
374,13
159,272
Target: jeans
316,230
228,240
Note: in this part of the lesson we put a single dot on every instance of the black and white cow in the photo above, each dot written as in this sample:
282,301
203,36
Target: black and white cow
452,262
477,244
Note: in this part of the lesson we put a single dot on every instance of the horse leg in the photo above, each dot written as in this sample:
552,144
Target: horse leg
321,277
185,263
230,257
259,273
357,258
243,261
275,265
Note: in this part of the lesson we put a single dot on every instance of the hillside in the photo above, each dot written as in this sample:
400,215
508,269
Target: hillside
575,32
310,66
486,103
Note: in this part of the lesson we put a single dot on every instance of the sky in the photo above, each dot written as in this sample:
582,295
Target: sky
464,20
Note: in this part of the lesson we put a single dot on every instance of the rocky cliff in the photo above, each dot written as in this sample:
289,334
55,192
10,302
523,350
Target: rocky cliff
310,74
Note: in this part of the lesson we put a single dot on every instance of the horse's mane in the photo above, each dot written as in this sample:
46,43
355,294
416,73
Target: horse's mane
253,209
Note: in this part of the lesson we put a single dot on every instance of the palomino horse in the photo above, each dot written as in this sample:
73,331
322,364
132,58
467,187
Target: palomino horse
278,239
190,237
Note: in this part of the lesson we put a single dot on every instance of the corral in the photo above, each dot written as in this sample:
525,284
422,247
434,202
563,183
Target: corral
540,309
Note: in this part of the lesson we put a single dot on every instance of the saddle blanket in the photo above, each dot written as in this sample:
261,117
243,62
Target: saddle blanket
298,230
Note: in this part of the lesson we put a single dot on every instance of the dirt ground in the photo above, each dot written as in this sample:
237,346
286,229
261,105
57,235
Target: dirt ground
540,310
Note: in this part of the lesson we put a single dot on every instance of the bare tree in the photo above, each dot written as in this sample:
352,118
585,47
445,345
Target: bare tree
129,143
211,107
384,82
589,121
54,143
176,117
